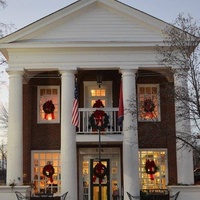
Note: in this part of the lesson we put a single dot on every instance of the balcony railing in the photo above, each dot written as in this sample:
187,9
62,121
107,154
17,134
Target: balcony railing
86,128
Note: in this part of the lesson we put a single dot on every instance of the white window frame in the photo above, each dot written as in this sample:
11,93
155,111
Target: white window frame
106,85
161,163
37,168
48,97
156,100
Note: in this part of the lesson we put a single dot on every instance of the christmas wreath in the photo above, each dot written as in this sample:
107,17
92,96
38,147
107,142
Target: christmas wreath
149,106
99,171
151,168
48,171
49,108
98,119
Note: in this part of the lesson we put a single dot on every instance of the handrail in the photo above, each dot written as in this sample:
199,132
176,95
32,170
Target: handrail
175,197
85,127
131,197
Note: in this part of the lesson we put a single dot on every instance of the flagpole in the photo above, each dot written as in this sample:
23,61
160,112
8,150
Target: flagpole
99,160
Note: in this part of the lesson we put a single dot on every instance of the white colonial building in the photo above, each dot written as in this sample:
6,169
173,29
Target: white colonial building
85,41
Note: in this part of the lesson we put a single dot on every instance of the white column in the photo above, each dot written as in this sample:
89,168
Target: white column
15,129
68,137
183,128
130,131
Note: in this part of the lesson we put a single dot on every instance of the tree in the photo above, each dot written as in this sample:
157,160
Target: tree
2,25
181,51
3,117
5,28
3,110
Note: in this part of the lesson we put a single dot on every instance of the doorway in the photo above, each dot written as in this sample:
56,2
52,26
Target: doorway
100,187
92,92
88,158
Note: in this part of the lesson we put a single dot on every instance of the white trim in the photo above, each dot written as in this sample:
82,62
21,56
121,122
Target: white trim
158,105
59,165
166,160
41,121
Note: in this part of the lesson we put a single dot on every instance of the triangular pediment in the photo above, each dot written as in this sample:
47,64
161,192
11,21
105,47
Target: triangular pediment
92,21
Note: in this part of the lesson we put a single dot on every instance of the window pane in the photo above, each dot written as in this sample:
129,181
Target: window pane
142,90
148,90
98,93
154,90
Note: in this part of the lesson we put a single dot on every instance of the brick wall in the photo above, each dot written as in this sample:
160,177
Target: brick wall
151,135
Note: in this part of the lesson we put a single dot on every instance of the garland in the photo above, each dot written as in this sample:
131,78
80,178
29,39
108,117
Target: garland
99,171
49,108
151,168
48,171
149,106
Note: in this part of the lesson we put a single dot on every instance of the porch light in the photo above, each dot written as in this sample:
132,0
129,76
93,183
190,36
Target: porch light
99,77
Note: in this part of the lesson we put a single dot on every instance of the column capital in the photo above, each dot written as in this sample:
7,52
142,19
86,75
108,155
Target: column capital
129,72
67,72
15,72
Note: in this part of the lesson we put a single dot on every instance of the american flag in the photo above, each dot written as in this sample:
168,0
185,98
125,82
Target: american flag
75,114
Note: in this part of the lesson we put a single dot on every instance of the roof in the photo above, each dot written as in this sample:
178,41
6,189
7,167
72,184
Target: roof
68,13
85,24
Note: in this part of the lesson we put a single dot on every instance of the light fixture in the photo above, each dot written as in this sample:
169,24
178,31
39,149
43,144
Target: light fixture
99,77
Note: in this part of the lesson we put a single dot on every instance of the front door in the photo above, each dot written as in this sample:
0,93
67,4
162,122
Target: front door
100,187
92,92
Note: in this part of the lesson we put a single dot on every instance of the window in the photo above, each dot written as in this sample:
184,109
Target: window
92,92
158,179
148,102
41,182
48,104
98,94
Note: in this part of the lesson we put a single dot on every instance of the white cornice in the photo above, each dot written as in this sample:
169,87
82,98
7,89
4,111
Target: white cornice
81,44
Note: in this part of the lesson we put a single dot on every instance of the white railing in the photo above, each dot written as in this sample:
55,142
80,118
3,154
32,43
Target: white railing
85,126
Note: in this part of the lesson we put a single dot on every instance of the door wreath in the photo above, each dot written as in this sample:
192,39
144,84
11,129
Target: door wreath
99,171
151,168
48,171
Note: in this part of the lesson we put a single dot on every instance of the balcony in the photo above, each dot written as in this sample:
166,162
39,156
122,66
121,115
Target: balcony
87,134
86,128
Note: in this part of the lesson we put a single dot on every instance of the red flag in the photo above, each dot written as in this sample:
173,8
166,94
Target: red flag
75,113
121,107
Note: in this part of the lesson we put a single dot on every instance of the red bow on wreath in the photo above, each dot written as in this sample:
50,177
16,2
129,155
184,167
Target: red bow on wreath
98,104
151,168
98,115
99,171
48,108
98,119
48,171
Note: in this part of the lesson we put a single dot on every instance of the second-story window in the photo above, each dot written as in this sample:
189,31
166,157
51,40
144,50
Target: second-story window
98,94
48,104
148,102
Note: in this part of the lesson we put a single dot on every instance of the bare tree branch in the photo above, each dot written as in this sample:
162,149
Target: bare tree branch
182,51
3,3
